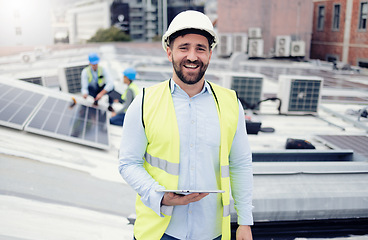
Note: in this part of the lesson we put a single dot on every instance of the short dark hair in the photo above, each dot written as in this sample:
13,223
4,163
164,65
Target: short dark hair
183,32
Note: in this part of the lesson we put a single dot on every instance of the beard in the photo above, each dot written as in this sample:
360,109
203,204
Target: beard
189,78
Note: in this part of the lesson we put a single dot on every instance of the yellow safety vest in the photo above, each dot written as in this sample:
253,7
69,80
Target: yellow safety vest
101,79
162,153
134,88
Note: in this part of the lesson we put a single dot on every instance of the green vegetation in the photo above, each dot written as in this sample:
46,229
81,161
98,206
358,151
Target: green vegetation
111,34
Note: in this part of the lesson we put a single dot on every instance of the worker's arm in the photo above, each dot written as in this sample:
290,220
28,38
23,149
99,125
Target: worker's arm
129,97
100,94
109,83
84,83
132,149
241,173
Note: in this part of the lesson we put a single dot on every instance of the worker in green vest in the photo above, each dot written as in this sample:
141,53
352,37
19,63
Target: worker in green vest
188,134
96,81
126,98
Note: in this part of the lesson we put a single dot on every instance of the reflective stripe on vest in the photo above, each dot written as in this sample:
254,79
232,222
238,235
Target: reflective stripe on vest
134,88
170,168
101,79
162,153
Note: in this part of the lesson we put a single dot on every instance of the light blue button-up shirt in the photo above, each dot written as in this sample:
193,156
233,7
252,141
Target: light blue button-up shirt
199,132
109,83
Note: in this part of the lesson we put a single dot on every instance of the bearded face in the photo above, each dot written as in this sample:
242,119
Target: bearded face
189,77
190,56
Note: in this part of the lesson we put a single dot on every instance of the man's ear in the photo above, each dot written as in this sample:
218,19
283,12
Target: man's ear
169,53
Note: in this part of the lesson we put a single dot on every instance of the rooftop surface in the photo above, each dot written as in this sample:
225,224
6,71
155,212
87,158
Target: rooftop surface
76,191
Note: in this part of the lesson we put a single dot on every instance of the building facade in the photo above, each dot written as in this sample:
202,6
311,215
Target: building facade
147,19
340,31
266,21
86,18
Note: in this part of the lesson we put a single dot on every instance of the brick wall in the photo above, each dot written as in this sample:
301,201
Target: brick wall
330,41
274,17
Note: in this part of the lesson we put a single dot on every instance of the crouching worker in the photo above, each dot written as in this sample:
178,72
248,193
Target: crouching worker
96,81
127,97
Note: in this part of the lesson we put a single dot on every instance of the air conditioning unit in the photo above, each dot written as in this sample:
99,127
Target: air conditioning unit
27,57
70,77
254,33
282,48
248,87
240,42
298,48
255,48
225,45
299,94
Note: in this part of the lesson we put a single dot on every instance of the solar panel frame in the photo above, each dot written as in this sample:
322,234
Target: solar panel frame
80,124
17,105
35,80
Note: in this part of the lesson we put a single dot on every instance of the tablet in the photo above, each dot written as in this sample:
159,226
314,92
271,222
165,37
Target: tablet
190,191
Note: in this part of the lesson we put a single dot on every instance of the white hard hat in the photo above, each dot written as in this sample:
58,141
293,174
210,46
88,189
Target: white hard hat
189,20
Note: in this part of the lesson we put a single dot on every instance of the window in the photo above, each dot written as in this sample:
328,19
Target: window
363,15
363,63
336,17
332,58
321,17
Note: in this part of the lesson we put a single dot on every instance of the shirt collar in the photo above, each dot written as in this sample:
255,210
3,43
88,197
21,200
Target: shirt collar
206,87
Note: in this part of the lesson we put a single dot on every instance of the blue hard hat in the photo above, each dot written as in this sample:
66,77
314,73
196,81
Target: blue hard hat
93,58
130,73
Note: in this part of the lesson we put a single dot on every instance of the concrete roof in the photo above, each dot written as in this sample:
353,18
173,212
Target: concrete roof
76,187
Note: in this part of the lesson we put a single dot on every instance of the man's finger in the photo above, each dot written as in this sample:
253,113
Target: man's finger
172,199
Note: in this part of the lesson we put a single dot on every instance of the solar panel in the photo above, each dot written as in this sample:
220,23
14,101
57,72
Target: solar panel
81,124
358,143
17,105
34,80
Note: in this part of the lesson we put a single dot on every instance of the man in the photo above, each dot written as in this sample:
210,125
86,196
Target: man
187,133
127,97
96,81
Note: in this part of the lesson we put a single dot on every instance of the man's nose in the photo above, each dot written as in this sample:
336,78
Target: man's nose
192,55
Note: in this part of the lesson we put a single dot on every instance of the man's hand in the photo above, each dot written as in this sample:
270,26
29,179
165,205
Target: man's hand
244,233
173,199
85,96
99,96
